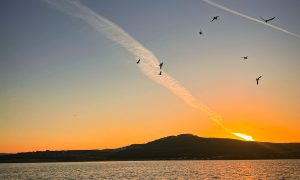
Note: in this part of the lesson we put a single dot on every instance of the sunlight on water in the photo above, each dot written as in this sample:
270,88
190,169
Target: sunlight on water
204,169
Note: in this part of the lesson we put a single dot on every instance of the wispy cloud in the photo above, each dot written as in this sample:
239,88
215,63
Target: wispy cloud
250,18
149,62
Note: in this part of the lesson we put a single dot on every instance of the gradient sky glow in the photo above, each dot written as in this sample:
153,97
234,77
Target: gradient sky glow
66,86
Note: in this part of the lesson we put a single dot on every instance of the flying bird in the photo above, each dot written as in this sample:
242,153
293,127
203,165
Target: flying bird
245,57
200,32
214,18
257,79
138,61
160,65
267,20
159,73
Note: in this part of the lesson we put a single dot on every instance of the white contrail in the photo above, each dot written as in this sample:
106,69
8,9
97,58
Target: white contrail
250,18
149,62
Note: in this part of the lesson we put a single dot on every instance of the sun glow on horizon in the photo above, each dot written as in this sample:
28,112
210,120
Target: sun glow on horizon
244,136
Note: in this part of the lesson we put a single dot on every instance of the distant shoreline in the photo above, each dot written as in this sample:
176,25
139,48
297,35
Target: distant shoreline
181,147
28,162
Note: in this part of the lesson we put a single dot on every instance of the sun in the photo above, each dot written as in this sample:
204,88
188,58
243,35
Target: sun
244,136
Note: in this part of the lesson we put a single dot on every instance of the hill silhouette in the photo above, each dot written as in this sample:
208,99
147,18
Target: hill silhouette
184,146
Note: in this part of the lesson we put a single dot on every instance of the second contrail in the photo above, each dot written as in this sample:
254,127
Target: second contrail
250,18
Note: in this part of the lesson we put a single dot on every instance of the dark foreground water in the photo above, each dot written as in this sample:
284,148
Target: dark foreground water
208,169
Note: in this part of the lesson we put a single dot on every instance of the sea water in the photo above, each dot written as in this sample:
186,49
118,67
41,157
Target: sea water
194,169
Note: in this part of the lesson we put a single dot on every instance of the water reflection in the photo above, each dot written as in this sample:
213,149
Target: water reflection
210,169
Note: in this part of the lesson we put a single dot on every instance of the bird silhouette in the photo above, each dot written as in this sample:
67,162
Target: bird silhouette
214,18
160,65
267,20
159,73
200,32
138,61
245,57
257,79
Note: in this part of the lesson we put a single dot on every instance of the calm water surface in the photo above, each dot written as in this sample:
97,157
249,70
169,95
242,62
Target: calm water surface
209,169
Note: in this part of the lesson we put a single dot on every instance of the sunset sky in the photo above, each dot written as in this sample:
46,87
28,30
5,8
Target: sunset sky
65,85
